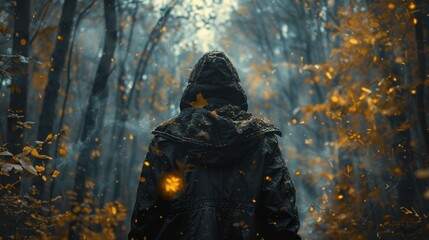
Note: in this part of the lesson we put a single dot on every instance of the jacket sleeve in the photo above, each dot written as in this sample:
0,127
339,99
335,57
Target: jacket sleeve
147,217
278,210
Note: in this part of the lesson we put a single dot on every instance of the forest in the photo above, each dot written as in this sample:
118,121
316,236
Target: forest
84,82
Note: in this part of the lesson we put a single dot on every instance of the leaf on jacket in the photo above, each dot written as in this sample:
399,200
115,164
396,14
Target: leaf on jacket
171,185
199,102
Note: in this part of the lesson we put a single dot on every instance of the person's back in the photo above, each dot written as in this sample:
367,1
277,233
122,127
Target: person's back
215,171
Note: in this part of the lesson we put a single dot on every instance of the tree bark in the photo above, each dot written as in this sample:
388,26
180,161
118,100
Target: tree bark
67,88
421,71
121,96
58,57
94,112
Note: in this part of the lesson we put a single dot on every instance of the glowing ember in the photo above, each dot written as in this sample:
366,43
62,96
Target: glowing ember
171,185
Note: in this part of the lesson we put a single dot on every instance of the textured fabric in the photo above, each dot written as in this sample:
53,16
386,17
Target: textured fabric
216,78
215,173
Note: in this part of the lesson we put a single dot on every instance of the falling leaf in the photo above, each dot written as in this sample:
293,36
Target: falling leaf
49,137
36,154
199,102
55,173
353,41
328,75
27,148
40,168
366,90
62,151
95,153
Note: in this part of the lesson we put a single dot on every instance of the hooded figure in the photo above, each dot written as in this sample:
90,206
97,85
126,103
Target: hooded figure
215,171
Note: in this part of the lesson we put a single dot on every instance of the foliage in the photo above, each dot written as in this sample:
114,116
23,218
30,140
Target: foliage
368,100
95,222
365,74
40,219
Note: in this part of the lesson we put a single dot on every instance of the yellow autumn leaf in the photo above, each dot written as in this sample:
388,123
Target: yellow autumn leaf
172,184
199,102
49,137
353,41
62,151
36,154
328,75
26,148
55,173
40,168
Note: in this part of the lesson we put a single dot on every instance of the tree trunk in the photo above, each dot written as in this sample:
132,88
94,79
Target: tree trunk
421,71
58,57
67,89
94,112
17,104
121,98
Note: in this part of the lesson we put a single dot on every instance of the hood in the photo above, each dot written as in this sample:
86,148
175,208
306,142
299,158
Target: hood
214,120
216,80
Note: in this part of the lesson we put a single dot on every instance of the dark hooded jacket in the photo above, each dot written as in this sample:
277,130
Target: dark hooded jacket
215,171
